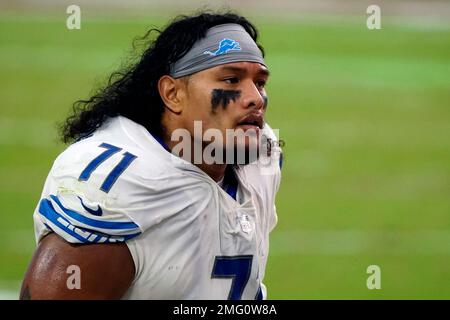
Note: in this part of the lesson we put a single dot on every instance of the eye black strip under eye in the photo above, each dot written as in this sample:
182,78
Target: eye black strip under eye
223,97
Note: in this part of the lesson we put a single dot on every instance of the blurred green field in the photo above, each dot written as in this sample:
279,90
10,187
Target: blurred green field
366,120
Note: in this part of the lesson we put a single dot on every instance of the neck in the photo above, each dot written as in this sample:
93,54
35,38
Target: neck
215,171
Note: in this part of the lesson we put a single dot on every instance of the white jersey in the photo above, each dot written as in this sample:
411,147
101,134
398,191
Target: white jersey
189,238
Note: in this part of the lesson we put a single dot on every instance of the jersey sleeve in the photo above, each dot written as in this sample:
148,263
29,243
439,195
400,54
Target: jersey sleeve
76,205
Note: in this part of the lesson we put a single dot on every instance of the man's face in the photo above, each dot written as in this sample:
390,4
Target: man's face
230,96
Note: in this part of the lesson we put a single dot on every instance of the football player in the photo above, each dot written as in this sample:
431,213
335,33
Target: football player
131,219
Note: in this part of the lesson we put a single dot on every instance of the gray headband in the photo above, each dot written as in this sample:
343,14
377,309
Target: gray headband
222,44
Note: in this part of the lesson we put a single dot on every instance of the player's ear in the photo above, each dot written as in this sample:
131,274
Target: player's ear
172,92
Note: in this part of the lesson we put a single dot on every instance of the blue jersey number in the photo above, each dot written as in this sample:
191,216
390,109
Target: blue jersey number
237,268
115,173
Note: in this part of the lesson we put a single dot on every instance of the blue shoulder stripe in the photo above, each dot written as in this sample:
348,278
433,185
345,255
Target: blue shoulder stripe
92,222
47,210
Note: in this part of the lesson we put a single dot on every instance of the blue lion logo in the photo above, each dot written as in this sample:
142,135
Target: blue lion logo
225,45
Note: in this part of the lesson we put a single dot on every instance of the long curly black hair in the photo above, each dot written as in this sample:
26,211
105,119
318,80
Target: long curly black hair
133,91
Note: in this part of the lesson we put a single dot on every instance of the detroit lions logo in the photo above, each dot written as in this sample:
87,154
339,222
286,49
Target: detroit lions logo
225,45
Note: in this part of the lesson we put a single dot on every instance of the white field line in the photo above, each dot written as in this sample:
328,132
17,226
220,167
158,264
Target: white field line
9,295
10,290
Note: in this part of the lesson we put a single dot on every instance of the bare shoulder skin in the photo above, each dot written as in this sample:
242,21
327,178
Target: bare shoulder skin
106,271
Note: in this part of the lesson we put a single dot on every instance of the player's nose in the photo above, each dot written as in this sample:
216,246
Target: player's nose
252,97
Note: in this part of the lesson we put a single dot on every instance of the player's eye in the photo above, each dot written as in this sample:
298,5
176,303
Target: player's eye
261,83
231,80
